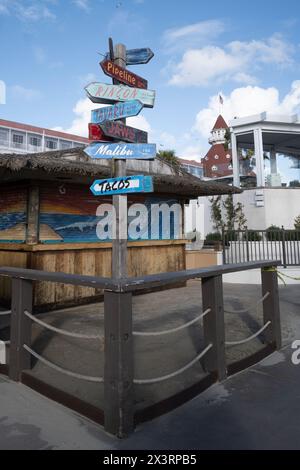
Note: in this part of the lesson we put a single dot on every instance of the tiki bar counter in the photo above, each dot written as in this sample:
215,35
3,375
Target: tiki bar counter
48,220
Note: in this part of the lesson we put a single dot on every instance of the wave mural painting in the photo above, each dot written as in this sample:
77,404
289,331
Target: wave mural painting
13,214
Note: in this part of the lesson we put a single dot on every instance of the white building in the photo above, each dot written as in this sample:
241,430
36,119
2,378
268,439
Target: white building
23,138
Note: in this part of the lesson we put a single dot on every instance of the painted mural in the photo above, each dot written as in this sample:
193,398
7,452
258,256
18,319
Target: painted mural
13,202
68,214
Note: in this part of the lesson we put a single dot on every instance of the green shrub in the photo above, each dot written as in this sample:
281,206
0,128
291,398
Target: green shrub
213,237
297,223
252,236
274,233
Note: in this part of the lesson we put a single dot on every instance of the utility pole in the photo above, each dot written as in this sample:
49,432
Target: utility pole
119,242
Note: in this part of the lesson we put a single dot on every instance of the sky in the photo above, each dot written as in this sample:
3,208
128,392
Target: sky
246,51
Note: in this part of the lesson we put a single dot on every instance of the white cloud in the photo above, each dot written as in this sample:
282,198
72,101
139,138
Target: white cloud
193,152
25,94
82,4
199,67
28,10
192,35
245,101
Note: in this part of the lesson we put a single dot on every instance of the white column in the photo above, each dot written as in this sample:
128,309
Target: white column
259,156
273,161
235,160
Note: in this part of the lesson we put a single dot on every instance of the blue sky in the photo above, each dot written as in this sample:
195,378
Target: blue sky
248,51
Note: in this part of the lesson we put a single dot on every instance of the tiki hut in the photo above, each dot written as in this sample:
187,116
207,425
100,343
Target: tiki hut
48,219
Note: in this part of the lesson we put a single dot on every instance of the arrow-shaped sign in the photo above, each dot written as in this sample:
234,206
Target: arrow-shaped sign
121,151
97,134
119,131
102,93
123,75
117,111
137,56
123,185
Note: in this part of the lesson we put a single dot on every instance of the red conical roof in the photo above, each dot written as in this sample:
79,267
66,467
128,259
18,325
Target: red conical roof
220,123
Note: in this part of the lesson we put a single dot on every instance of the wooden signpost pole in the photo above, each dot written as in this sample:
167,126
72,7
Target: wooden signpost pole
119,243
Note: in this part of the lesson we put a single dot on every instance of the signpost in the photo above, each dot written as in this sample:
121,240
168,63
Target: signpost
137,56
118,131
117,111
121,151
123,185
123,75
109,94
97,134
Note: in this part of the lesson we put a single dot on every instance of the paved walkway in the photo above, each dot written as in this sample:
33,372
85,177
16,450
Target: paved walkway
256,409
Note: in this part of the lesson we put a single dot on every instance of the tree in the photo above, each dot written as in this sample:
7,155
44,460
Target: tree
169,156
234,214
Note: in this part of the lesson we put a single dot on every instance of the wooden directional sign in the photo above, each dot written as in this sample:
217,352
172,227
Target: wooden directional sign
137,56
97,134
117,111
123,185
121,151
119,131
123,75
102,93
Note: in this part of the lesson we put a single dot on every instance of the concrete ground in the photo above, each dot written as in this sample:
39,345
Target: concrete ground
256,409
225,416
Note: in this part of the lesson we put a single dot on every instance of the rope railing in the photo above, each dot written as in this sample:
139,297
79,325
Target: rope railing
177,372
5,312
242,341
249,308
172,330
61,369
59,330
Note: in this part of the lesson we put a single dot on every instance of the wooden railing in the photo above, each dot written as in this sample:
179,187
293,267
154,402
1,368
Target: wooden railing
119,376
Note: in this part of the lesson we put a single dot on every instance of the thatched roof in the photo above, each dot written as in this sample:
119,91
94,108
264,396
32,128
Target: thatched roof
75,166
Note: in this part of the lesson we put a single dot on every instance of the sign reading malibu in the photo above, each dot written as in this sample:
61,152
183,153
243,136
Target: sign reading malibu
132,151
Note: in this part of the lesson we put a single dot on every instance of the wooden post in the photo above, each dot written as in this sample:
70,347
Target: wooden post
118,369
271,307
214,326
33,210
119,243
19,358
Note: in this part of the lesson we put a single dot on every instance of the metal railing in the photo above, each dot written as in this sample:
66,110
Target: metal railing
118,377
241,246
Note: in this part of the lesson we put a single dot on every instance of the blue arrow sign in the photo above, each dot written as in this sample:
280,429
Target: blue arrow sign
137,56
123,185
121,151
117,111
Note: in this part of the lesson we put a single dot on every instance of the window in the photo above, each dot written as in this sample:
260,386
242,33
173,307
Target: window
35,141
214,168
76,144
64,144
228,155
217,157
51,144
206,158
18,140
4,137
229,166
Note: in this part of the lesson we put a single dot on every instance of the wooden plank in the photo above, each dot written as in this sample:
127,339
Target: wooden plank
33,212
117,111
118,130
123,75
122,185
121,151
110,94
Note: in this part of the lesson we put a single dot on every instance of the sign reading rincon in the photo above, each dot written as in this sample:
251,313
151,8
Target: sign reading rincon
102,93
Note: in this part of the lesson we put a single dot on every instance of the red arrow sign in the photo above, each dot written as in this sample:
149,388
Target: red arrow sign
96,134
123,75
119,131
